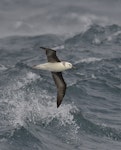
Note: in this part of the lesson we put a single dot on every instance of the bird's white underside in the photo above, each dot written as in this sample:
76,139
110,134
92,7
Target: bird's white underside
53,67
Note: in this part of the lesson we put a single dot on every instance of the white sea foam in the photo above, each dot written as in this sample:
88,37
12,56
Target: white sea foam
110,37
93,76
119,66
45,111
26,105
96,41
36,106
2,67
116,33
28,78
58,47
14,97
88,60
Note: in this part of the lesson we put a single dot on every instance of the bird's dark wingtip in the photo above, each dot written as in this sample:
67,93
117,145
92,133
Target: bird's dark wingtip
58,104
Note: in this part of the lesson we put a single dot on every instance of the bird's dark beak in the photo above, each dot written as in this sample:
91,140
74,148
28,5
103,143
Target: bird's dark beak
73,67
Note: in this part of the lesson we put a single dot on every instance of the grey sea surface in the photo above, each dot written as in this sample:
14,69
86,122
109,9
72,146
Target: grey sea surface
89,117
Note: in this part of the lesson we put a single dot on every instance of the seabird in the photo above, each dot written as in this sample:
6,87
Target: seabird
56,67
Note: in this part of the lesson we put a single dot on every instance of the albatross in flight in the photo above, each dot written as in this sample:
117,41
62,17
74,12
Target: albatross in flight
56,67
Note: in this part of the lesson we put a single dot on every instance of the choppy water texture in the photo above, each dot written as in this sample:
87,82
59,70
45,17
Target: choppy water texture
90,114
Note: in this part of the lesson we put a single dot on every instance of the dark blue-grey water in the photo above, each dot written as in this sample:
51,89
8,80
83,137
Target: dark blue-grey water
90,115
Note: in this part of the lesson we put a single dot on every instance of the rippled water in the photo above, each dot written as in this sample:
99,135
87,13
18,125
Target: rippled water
90,114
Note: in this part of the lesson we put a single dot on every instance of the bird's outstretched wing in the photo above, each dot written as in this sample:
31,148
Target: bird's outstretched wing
57,76
61,86
51,55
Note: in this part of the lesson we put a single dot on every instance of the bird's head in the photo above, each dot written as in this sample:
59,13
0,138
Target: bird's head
67,65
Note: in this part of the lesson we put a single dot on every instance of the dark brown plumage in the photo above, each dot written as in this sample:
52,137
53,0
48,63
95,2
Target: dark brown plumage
51,55
61,86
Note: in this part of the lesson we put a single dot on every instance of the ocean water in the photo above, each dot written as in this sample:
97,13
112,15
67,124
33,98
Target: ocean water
90,115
